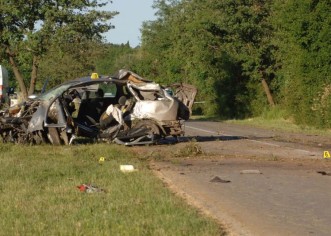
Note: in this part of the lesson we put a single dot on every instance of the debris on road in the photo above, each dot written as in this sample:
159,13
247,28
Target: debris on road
324,173
90,188
219,180
250,172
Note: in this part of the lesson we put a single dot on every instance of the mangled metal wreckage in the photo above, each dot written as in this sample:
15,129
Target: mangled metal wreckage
126,109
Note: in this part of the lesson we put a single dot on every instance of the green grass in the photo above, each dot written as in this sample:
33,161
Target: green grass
273,118
280,124
38,195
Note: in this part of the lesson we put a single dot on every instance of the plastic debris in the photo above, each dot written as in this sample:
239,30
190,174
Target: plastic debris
127,168
219,180
90,188
250,172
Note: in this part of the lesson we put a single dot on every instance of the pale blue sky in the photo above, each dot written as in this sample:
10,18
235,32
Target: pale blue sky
128,22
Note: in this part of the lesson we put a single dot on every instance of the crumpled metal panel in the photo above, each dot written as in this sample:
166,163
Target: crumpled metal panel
146,86
37,119
158,110
185,93
124,74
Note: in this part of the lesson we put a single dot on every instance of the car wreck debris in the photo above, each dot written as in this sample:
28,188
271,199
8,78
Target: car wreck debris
127,168
217,179
90,188
250,172
324,173
126,109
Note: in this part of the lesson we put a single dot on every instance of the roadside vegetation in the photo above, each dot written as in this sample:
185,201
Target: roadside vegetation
39,195
273,118
278,119
245,57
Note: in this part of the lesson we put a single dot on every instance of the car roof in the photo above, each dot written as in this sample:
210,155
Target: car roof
89,80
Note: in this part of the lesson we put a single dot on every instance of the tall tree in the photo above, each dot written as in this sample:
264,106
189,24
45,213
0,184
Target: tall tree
247,33
29,28
66,61
221,46
114,57
303,37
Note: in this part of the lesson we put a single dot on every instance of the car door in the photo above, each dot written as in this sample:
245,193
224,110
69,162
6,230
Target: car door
185,93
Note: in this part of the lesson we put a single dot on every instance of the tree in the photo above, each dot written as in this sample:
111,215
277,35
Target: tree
245,55
247,33
63,62
28,29
175,48
303,37
223,47
113,57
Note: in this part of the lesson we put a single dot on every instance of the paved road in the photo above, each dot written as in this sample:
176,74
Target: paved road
290,197
256,142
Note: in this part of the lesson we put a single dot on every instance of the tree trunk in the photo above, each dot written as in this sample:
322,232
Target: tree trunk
34,74
268,93
17,74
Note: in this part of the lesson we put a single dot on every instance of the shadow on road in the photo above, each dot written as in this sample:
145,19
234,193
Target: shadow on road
210,138
184,139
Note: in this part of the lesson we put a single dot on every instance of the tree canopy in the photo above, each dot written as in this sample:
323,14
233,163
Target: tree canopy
245,56
29,29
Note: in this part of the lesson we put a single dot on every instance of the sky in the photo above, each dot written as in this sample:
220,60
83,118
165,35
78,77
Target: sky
132,13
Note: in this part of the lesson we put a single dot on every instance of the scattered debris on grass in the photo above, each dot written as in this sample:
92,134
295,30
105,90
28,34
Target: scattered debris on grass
127,168
191,149
90,188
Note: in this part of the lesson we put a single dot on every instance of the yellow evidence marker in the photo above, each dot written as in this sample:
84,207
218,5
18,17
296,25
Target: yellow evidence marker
101,160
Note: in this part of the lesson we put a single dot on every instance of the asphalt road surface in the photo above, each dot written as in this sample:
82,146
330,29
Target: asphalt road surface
253,181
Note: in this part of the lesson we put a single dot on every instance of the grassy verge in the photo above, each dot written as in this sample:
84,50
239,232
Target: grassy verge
38,195
275,119
280,124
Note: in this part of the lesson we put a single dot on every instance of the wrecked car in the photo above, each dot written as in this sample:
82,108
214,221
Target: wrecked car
125,109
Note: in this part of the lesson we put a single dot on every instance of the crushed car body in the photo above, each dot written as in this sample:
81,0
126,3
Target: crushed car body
126,109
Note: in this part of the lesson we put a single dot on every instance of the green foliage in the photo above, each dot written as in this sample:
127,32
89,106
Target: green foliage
304,58
193,41
28,29
76,60
227,47
66,62
112,57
